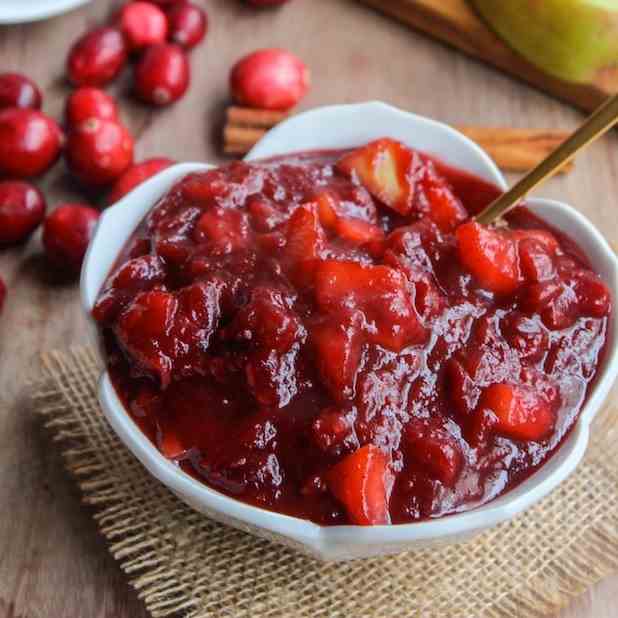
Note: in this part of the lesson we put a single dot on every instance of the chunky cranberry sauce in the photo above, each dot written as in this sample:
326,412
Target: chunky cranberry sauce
329,335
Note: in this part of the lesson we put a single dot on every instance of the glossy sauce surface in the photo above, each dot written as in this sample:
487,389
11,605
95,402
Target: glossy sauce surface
298,339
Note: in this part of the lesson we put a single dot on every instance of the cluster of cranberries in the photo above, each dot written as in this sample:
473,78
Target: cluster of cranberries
157,34
97,147
30,143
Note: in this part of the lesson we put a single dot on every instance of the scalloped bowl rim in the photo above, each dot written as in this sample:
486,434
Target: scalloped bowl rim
118,222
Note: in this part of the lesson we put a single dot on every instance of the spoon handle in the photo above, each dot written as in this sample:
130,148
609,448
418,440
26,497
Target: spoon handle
596,125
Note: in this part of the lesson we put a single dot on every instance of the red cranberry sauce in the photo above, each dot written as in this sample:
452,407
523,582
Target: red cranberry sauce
340,343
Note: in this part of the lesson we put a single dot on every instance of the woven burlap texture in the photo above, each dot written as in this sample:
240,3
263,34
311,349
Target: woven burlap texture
181,563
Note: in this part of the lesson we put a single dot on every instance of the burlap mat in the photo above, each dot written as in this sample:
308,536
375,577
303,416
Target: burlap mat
182,563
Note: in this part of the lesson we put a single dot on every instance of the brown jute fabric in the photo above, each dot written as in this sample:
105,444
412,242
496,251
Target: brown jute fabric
181,563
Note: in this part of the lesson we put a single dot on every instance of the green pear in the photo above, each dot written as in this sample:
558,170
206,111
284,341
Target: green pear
575,40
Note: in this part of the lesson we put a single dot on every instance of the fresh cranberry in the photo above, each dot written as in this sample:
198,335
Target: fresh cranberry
97,57
99,151
17,90
188,24
89,102
2,294
135,175
67,231
22,208
162,75
30,142
269,79
142,24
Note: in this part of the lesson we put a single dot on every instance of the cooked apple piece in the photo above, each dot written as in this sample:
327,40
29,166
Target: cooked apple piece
386,169
519,411
362,483
437,200
490,255
358,232
380,292
305,239
326,204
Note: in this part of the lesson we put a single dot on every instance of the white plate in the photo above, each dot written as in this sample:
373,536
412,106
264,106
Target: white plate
20,11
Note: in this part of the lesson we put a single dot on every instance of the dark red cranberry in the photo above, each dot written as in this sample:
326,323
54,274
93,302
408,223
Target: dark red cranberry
67,233
188,24
17,90
142,24
97,57
99,151
89,102
162,75
22,208
30,142
2,293
135,175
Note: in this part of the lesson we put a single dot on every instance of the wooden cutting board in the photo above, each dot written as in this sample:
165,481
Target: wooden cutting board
454,22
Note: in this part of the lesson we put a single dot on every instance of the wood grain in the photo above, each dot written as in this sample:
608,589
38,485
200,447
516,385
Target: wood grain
454,22
52,563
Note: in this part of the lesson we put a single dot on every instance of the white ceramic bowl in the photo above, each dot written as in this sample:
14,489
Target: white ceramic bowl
340,127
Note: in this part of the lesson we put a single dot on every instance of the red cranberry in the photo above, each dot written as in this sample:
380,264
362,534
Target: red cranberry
30,142
269,79
66,234
22,208
97,57
142,24
188,24
99,151
90,102
2,293
17,90
135,175
162,74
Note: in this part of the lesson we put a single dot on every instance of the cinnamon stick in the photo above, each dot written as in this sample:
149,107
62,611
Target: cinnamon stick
240,140
513,150
249,117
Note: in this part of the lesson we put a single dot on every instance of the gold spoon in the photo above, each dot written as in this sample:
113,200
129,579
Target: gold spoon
601,121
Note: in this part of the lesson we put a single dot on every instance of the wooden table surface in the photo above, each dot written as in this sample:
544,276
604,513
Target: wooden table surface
52,562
